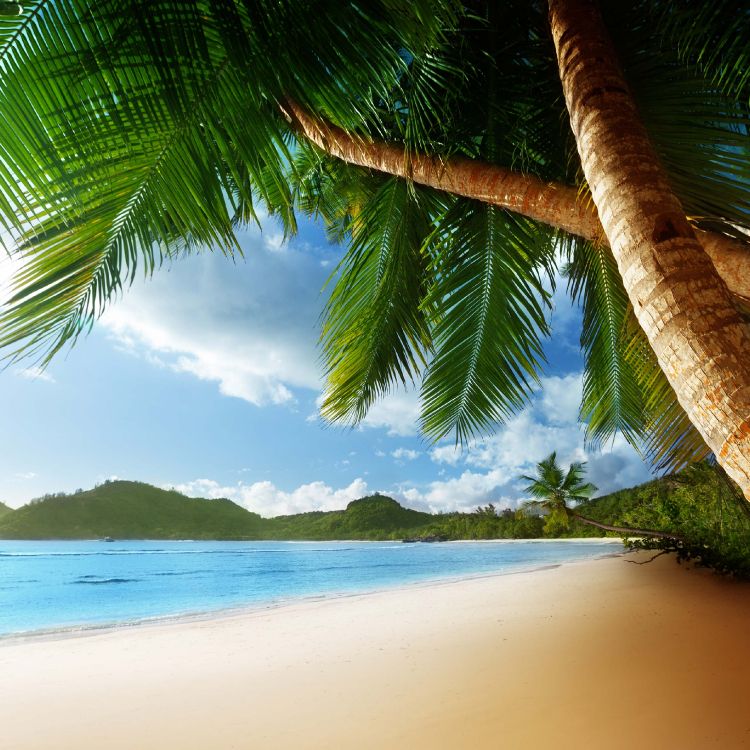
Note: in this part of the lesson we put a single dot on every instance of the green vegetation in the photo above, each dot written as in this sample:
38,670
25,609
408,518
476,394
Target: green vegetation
130,137
700,511
554,488
487,523
4,509
701,505
374,517
133,510
128,510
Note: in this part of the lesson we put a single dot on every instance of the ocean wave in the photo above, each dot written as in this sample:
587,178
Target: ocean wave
96,581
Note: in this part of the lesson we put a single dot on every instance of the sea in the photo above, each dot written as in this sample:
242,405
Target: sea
70,586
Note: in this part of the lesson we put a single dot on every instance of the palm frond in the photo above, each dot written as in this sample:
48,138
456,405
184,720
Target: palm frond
130,133
688,72
330,189
554,488
612,398
489,318
670,441
624,389
375,330
711,37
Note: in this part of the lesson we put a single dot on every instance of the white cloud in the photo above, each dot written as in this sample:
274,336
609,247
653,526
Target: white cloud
405,454
447,454
35,373
560,398
249,326
463,492
274,241
491,467
25,474
268,500
398,413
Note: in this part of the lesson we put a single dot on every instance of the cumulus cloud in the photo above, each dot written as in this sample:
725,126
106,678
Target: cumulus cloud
490,468
397,413
560,398
405,454
249,326
449,454
268,500
35,373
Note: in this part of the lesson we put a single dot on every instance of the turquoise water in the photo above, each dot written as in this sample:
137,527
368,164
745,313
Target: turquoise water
69,585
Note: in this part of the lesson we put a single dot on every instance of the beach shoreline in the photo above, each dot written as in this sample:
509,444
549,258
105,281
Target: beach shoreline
85,629
597,653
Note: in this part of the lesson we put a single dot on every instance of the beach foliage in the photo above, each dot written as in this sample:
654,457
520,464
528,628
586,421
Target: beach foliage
556,491
698,504
709,513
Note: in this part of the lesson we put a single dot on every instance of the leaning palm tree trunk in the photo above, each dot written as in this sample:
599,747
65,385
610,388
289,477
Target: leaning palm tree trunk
551,203
622,529
681,303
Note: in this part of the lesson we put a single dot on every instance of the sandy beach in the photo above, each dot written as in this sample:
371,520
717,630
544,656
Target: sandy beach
600,654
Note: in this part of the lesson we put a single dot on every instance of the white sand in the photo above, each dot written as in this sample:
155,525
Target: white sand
600,654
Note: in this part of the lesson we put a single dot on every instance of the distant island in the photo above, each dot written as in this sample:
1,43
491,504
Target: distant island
134,510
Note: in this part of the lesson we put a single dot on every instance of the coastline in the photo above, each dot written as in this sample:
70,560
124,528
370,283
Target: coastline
92,629
587,654
80,630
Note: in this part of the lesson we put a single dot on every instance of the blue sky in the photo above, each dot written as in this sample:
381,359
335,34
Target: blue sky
206,377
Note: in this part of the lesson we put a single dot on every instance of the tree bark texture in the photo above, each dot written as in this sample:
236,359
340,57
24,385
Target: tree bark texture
680,301
551,203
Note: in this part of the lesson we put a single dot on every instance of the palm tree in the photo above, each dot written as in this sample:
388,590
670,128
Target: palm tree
554,489
434,138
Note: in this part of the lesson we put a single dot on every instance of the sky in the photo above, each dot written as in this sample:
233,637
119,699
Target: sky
207,378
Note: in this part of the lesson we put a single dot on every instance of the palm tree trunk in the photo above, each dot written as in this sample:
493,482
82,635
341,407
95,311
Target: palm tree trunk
623,529
680,301
551,203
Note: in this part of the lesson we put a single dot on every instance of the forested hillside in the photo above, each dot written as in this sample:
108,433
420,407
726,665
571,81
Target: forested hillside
697,504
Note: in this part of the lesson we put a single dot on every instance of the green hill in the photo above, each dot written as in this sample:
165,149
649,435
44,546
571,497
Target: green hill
129,510
695,503
133,510
4,510
374,517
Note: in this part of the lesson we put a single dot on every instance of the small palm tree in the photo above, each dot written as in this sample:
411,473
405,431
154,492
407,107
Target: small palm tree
554,488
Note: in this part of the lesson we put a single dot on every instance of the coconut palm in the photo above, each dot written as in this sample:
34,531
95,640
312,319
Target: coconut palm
555,488
453,147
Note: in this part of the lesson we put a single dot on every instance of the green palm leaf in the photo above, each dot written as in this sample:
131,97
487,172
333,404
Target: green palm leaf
375,331
489,317
554,488
612,398
694,101
624,389
330,189
711,37
130,133
670,441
